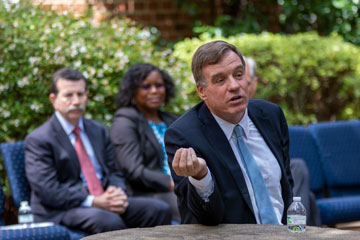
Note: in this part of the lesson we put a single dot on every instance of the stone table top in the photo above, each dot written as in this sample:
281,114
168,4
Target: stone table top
224,232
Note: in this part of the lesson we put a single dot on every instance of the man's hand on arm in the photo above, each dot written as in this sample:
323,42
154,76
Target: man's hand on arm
187,164
113,199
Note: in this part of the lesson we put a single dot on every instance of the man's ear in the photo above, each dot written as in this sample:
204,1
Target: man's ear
52,98
201,92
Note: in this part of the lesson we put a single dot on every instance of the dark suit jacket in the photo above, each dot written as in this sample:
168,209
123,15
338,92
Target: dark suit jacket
230,201
138,152
53,170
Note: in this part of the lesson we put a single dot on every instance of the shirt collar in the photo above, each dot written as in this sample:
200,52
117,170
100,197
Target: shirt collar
228,128
68,127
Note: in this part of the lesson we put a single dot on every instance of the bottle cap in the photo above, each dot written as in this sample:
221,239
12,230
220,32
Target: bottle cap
297,199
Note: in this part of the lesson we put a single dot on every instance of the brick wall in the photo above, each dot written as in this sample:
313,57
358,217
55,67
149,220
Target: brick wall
167,16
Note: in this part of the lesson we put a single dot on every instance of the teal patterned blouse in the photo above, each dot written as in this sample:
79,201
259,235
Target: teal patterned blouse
159,131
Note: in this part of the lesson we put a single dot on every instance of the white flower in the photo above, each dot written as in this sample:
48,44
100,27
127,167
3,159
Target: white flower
4,87
35,107
92,71
144,34
23,82
5,114
86,75
57,49
100,74
99,98
12,46
73,52
33,60
119,54
77,64
4,127
16,122
83,49
108,117
35,71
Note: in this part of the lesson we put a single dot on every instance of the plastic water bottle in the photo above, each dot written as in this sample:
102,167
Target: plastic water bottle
25,215
296,216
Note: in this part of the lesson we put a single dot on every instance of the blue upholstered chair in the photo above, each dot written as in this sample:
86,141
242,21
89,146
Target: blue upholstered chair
302,145
2,204
52,232
14,161
339,149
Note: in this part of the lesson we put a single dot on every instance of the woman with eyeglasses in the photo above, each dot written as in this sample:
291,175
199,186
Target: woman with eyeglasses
137,133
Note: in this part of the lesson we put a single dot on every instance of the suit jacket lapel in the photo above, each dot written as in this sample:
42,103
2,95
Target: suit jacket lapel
221,148
63,140
149,133
96,143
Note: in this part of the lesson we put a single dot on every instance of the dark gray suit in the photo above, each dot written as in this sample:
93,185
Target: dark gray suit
230,201
57,191
140,156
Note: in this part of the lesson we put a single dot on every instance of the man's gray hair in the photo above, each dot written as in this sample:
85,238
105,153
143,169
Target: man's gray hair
252,65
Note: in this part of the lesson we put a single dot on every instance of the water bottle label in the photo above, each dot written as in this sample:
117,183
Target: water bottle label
26,218
296,219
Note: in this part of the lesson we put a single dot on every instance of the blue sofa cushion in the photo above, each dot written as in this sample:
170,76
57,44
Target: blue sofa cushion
339,148
40,233
302,145
339,210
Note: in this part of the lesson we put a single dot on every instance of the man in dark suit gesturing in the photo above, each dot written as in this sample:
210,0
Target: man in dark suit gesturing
229,155
70,168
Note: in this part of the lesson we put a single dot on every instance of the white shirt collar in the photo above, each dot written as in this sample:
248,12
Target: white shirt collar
68,127
228,128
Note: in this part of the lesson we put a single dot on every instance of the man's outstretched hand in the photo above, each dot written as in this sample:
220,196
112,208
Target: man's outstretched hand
186,163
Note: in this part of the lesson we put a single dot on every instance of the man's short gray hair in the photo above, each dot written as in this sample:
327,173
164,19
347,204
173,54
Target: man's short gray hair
250,62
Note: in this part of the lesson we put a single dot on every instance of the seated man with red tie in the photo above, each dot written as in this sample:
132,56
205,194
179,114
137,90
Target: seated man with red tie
70,168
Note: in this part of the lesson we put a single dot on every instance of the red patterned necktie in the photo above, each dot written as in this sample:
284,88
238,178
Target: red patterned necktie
87,168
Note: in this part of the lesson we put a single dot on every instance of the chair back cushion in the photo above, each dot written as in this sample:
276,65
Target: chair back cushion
339,147
14,161
2,205
302,145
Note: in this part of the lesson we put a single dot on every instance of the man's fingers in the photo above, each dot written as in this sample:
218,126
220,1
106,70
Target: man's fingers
182,162
191,161
176,159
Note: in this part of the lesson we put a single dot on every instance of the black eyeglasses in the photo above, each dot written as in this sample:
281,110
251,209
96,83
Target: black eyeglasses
148,86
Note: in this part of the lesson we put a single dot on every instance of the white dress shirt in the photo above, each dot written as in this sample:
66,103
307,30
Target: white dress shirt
68,128
264,158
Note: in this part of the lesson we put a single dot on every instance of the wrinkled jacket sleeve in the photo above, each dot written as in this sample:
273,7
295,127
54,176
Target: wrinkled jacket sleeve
193,208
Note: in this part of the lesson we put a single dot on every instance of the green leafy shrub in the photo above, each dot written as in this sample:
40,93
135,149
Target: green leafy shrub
312,78
34,43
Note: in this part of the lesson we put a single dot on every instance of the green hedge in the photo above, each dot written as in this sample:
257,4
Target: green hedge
313,78
34,43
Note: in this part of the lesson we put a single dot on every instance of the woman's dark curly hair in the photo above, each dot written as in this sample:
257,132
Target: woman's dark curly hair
132,80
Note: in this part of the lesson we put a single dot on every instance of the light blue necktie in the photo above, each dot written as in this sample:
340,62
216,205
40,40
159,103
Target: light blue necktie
263,202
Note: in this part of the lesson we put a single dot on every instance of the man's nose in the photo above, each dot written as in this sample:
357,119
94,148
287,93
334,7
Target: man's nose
75,100
233,83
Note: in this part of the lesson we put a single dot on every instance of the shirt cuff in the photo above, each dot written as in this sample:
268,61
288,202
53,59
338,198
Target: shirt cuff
204,187
88,201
